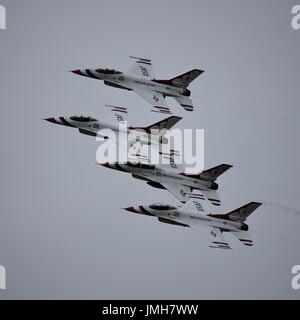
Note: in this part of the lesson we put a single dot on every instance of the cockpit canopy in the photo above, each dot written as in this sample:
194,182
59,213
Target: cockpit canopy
82,119
161,206
108,71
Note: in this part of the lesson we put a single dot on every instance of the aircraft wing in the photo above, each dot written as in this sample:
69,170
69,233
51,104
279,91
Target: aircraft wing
197,202
142,68
213,234
156,99
180,191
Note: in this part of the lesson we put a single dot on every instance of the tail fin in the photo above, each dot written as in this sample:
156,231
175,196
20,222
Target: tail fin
185,79
241,214
211,174
166,123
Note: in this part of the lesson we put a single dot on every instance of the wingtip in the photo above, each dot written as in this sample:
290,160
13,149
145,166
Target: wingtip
217,247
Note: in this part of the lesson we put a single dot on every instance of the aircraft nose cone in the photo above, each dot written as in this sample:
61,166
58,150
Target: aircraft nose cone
77,71
105,164
130,209
51,120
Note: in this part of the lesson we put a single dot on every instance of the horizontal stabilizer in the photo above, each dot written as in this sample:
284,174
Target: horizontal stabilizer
185,102
213,197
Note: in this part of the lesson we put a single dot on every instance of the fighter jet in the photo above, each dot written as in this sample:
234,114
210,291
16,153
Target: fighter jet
180,184
197,214
140,78
91,126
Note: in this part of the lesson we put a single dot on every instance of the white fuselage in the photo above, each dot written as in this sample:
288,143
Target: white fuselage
109,130
161,175
182,216
132,82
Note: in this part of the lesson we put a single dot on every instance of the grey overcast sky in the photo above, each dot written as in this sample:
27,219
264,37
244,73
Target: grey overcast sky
63,234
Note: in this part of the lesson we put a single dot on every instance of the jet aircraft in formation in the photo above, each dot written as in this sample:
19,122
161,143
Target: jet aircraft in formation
140,79
88,125
197,213
197,192
178,183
